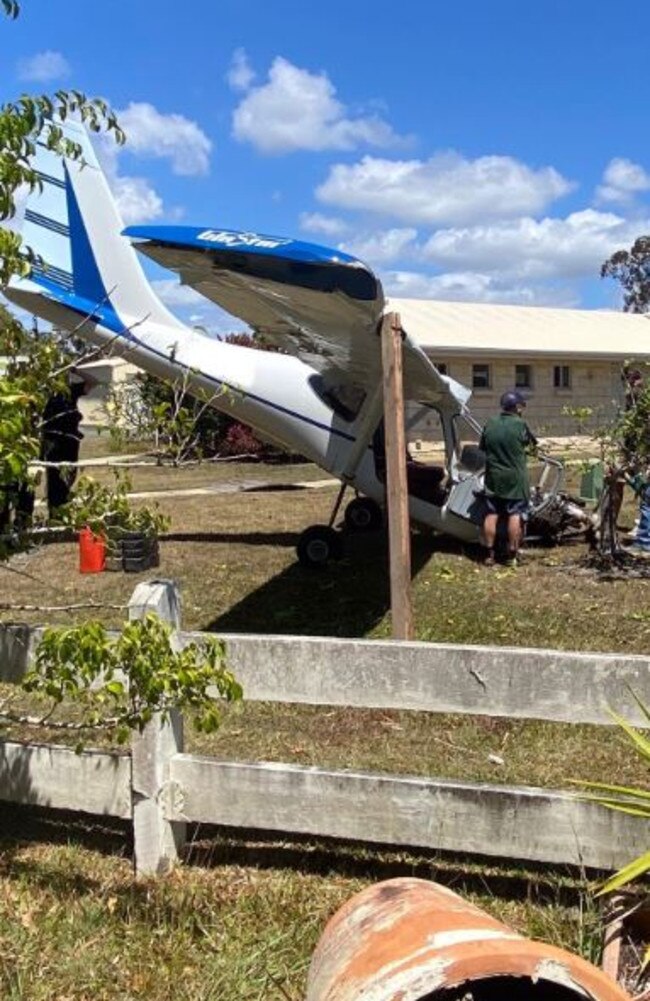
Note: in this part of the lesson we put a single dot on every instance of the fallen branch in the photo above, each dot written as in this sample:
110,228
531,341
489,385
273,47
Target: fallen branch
6,607
44,721
159,461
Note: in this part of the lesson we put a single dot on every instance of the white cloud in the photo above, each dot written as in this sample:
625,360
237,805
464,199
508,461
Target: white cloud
136,200
316,222
382,247
467,286
444,189
150,133
172,137
44,67
572,247
297,110
622,180
240,74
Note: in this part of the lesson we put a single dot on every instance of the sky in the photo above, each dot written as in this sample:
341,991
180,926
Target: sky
485,151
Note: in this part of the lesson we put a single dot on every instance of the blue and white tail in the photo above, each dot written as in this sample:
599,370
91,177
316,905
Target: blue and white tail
87,274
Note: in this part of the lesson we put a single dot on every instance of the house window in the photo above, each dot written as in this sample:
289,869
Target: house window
561,377
481,378
442,367
523,376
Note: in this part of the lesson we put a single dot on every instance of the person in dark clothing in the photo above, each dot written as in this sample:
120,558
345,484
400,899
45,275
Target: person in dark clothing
505,441
61,439
17,498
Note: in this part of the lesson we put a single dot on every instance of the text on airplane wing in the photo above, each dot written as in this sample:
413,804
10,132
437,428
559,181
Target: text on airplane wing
320,304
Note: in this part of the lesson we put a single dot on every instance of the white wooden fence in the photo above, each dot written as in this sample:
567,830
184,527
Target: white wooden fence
161,789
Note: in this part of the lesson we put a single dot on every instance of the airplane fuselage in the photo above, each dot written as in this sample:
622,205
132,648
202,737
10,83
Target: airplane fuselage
274,393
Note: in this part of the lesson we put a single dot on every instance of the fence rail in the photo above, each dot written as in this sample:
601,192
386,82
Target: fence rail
161,788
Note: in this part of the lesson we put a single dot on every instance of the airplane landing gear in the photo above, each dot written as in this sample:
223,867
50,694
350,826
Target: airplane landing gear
363,515
317,545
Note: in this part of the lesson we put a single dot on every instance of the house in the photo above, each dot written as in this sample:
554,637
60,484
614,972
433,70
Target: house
559,358
105,375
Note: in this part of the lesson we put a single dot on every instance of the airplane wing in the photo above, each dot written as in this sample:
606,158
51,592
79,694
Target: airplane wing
319,304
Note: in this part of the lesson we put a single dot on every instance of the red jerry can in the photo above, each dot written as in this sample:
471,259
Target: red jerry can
92,552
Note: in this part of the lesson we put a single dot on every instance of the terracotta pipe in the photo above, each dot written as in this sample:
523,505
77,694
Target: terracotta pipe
412,940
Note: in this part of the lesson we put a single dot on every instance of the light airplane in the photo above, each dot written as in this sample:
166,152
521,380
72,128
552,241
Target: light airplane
323,400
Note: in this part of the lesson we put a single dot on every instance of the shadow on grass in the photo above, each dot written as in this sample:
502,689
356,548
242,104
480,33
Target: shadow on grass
346,598
25,825
245,538
210,847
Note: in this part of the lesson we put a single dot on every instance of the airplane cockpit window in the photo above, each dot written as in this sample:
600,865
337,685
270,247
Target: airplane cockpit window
425,471
423,427
344,399
467,435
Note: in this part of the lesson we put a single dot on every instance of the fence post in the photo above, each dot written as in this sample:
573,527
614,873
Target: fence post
157,841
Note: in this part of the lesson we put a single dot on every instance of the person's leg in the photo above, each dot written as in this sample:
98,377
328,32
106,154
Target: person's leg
56,487
490,535
642,540
24,506
515,533
5,510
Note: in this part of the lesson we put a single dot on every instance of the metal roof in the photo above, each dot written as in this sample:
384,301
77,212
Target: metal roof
485,329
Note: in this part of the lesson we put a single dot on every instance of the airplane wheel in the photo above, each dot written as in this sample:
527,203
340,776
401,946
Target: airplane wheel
363,515
318,545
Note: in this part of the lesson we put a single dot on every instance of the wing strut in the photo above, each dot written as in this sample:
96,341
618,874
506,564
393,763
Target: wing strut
368,420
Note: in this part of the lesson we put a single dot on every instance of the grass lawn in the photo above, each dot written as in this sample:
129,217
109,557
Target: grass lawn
233,558
241,924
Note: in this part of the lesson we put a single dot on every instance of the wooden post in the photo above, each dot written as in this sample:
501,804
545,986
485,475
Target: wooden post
399,539
157,841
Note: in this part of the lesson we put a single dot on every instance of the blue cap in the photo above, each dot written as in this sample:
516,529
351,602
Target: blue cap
512,399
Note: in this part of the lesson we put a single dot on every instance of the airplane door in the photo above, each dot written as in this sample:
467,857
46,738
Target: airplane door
426,470
466,494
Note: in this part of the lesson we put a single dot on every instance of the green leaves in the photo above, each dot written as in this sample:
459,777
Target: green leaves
108,510
120,683
631,269
626,799
31,362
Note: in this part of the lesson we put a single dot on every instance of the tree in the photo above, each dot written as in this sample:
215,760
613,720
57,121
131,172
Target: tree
631,269
184,426
33,367
23,383
119,683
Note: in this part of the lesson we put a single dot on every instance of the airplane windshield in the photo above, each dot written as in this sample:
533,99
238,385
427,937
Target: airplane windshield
345,400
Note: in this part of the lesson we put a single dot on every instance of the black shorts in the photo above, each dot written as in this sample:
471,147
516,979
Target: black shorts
506,506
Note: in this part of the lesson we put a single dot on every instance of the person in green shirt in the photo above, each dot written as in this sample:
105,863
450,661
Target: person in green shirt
505,440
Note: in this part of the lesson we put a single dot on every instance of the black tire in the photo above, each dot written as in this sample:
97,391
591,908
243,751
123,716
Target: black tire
318,545
363,515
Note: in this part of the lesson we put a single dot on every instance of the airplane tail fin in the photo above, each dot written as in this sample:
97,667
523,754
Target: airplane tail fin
84,266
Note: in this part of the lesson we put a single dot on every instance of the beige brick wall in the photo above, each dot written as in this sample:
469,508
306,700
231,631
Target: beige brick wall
594,384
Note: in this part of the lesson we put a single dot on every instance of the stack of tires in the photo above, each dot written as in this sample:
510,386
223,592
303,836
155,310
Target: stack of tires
132,551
